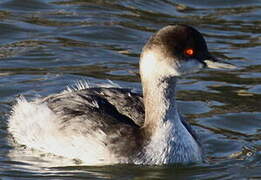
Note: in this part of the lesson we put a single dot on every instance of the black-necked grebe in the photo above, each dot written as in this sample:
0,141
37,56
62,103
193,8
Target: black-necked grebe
100,126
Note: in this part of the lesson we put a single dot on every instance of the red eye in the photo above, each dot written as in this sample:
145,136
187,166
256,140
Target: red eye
189,52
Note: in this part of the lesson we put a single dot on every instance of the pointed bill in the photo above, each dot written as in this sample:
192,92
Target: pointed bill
214,63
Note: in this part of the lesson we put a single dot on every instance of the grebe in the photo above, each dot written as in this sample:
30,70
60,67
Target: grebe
102,126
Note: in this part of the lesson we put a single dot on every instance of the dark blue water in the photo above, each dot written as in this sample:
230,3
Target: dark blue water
46,45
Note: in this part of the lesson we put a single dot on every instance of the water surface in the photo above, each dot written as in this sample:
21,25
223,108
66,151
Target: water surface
47,45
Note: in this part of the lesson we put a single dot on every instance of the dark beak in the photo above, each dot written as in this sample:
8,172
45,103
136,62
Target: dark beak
214,63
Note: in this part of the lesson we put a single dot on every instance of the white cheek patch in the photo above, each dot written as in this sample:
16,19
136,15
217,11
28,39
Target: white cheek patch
150,65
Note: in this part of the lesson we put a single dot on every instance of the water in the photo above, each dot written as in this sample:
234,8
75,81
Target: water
49,44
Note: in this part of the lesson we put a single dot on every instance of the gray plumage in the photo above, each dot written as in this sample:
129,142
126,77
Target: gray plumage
118,112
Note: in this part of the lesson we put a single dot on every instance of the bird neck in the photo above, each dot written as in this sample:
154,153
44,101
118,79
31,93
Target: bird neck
160,103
